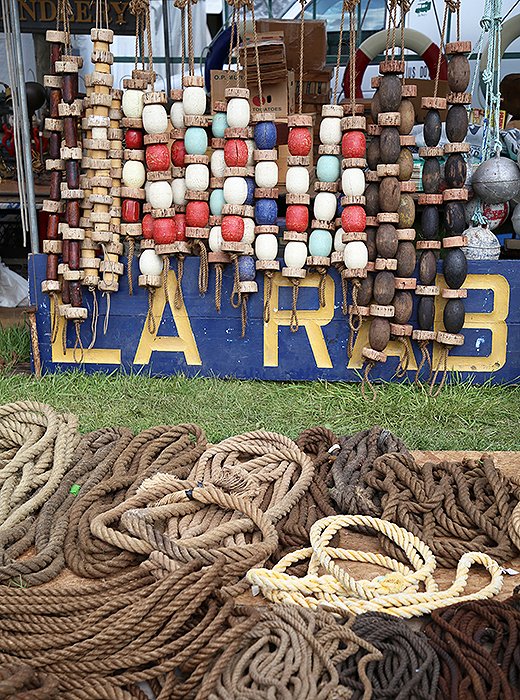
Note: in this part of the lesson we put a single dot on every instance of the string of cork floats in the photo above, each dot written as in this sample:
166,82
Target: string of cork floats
104,159
395,239
54,206
384,155
70,109
431,199
352,236
454,263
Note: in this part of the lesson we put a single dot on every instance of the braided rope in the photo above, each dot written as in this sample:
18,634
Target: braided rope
397,593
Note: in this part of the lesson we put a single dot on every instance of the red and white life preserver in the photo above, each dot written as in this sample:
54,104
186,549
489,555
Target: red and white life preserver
376,44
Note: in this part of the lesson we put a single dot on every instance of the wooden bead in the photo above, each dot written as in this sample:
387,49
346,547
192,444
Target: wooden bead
427,267
458,73
405,162
390,93
457,123
379,332
390,145
426,312
454,315
389,194
455,171
373,153
386,240
372,199
406,259
403,306
455,268
432,127
384,287
407,112
431,176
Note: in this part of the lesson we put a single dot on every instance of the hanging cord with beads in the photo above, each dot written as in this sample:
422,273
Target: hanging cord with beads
150,318
477,644
178,299
345,5
408,666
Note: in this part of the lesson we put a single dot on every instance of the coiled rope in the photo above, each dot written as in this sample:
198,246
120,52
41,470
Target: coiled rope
397,593
407,669
354,460
287,652
46,532
454,507
478,647
172,449
36,447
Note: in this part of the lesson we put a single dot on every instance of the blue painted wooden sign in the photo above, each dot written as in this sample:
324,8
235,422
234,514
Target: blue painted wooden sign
196,340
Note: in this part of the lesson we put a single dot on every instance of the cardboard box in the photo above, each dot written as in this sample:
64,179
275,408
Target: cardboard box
278,98
316,86
315,41
271,58
425,89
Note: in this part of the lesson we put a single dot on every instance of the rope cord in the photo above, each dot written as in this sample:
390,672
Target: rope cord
397,593
454,508
477,644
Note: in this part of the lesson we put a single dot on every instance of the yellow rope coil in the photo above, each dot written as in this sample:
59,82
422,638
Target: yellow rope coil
408,591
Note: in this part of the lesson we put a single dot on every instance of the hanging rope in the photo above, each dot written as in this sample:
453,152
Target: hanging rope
404,359
355,319
203,265
218,286
294,325
366,383
302,44
442,46
95,317
340,46
443,363
178,300
78,344
130,264
243,314
165,278
236,296
55,316
425,360
268,292
150,318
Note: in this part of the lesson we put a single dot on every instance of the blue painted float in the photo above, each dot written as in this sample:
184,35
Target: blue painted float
195,340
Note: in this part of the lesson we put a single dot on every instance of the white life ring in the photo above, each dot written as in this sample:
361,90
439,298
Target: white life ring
376,44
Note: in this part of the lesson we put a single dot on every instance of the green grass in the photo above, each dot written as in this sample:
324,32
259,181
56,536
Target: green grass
463,417
14,346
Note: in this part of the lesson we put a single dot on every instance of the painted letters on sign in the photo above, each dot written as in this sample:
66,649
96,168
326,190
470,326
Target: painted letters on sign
160,339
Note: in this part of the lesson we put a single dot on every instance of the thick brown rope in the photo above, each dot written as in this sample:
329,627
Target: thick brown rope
354,459
338,58
165,280
95,318
322,271
290,652
441,47
454,507
407,667
54,317
78,344
477,644
45,531
301,55
172,449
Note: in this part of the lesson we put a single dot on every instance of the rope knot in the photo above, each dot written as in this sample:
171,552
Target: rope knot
391,583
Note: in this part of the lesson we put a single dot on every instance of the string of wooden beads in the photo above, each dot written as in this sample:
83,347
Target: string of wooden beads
455,196
354,235
405,281
385,109
216,200
431,199
70,108
105,161
54,206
